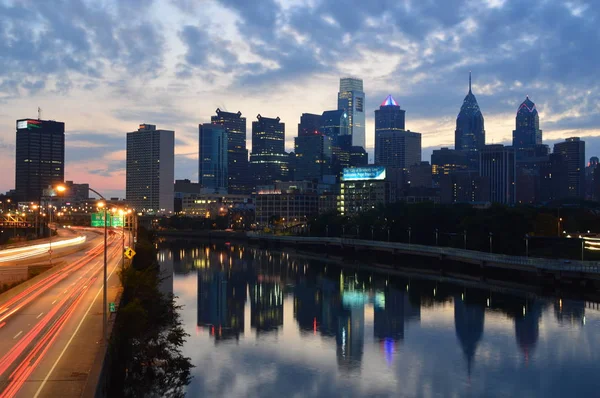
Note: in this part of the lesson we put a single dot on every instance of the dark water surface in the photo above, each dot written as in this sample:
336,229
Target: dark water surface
272,324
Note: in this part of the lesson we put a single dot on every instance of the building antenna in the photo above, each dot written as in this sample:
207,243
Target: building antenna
469,81
39,113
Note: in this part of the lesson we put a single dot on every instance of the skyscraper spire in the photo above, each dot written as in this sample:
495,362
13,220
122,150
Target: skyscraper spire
469,81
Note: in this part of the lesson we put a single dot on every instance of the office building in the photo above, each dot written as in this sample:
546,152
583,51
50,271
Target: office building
182,188
313,156
238,174
212,205
420,175
77,192
470,131
351,98
445,161
39,157
530,161
399,149
464,186
358,157
395,147
335,124
150,169
310,124
527,133
269,161
498,164
389,116
554,183
364,188
573,153
589,177
213,162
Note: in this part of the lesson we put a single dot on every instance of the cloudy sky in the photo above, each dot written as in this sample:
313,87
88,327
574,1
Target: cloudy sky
104,66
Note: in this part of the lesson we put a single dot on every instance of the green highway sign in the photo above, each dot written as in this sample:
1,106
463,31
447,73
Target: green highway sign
113,221
111,307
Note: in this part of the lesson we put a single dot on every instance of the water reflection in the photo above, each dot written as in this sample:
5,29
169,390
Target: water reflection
311,324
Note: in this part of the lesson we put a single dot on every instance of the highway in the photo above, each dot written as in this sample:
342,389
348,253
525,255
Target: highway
65,239
51,332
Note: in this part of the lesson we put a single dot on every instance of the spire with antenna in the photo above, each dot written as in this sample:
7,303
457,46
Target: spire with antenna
469,81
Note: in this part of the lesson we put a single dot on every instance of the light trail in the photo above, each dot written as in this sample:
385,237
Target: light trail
24,252
25,356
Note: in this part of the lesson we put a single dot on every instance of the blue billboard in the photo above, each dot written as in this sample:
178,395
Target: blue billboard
364,173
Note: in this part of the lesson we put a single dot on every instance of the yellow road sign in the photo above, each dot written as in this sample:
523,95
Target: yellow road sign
129,253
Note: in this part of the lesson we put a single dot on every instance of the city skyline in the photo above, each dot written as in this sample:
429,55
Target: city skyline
99,105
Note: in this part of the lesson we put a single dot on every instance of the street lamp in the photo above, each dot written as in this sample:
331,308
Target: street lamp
526,245
437,232
62,188
491,235
372,232
465,237
409,233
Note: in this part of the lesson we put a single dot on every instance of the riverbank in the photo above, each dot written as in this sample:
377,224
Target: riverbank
430,259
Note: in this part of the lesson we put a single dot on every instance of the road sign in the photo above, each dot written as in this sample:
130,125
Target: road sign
111,307
129,253
50,251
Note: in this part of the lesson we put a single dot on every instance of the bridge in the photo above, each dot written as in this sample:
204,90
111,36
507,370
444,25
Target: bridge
557,268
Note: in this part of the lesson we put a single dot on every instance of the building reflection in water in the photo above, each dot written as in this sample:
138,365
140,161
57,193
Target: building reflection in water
469,319
330,301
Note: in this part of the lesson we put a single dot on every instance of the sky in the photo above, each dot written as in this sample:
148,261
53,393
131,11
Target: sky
105,66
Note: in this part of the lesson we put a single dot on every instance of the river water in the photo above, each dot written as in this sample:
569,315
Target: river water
277,324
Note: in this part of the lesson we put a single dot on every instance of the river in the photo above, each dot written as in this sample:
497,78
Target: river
277,324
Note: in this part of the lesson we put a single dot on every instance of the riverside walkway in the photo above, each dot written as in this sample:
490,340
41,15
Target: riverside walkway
556,267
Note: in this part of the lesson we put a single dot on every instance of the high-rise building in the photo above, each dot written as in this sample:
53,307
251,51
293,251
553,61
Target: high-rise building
498,164
358,157
335,124
309,124
239,179
351,98
213,161
445,161
313,156
398,149
470,131
527,133
150,169
554,183
573,152
39,157
530,161
589,177
420,175
389,116
269,161
395,147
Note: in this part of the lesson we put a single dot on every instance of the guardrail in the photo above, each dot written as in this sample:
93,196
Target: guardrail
592,267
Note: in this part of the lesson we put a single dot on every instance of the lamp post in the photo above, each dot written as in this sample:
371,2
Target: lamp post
491,235
104,204
388,232
327,230
372,232
437,233
465,238
409,234
526,245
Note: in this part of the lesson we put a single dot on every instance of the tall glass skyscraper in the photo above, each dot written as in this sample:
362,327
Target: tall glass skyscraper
470,131
527,133
572,151
269,161
351,98
39,158
394,146
212,168
239,179
150,172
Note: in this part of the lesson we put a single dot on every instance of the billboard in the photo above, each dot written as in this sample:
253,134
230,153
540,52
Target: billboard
364,173
29,124
113,221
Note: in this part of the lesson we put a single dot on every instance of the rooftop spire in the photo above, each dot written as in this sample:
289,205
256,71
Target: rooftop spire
469,81
389,101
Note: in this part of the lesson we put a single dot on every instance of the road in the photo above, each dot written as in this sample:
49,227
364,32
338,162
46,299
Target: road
51,332
39,249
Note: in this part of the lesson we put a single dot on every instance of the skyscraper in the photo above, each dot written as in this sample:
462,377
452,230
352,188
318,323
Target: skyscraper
395,147
351,98
237,154
213,161
150,169
527,133
334,124
498,164
39,158
269,161
313,156
445,161
309,124
389,116
470,132
573,153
